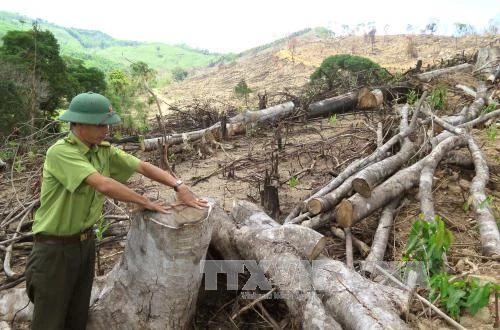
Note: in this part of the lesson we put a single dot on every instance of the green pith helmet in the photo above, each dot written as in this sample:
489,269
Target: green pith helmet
90,108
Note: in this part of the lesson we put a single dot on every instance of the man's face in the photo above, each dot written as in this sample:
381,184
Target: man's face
91,134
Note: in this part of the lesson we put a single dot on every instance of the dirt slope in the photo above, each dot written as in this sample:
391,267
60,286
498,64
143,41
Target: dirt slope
287,68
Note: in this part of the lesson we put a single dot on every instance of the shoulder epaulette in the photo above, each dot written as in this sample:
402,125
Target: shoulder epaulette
69,140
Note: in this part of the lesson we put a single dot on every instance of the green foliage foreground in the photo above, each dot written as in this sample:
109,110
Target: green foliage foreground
428,242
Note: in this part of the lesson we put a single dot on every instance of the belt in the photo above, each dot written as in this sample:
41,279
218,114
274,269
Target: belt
63,240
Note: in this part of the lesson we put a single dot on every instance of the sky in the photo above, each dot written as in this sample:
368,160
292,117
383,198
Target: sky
234,26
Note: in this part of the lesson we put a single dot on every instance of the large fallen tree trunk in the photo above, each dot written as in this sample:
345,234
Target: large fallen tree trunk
235,125
355,302
352,210
362,182
362,99
337,104
365,181
155,285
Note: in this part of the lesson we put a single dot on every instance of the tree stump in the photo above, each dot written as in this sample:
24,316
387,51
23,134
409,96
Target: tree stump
156,283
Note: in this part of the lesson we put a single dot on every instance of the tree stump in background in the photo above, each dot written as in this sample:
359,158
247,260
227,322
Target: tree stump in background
156,283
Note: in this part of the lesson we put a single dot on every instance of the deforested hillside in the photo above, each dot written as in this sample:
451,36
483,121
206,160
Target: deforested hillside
286,67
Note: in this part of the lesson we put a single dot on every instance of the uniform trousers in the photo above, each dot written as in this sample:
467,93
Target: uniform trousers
59,283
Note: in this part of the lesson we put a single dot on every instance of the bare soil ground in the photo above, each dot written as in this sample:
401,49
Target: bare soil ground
287,69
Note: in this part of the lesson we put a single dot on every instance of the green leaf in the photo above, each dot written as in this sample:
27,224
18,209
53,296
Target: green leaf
454,296
478,298
412,242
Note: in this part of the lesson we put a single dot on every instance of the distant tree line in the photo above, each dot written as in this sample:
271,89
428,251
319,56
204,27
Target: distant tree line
96,39
36,81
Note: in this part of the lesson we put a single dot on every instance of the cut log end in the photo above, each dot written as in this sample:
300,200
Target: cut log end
369,100
343,214
315,206
361,187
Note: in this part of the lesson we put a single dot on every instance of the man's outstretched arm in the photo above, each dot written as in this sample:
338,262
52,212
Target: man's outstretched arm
183,194
121,192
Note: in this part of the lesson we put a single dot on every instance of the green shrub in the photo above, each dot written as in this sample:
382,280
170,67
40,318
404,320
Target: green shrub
179,74
359,70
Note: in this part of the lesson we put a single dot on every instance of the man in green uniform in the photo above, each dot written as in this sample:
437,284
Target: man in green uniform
79,171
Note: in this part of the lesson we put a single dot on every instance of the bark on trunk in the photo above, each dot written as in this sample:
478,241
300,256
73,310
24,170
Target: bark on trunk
15,302
155,285
487,62
428,76
367,179
354,301
362,182
379,244
352,210
235,125
488,229
337,104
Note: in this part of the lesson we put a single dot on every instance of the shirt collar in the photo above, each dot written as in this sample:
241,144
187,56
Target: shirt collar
82,147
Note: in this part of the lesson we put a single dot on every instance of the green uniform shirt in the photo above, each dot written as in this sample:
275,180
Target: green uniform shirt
67,204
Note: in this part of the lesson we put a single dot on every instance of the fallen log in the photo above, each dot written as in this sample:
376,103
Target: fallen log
488,229
363,182
273,113
337,104
155,284
355,302
352,210
369,99
425,188
428,76
362,99
246,238
379,244
236,125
